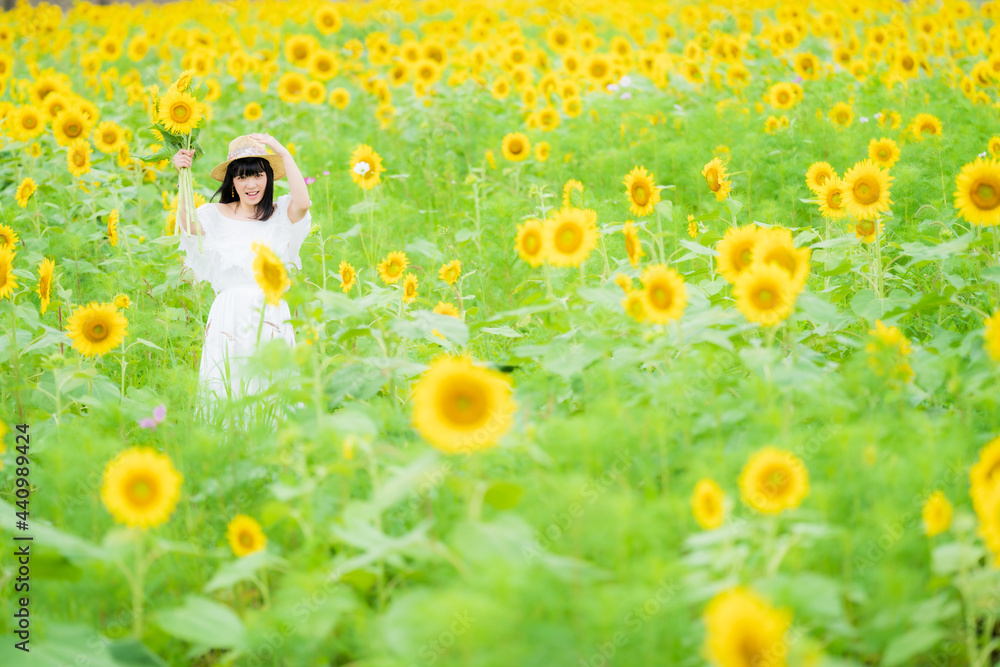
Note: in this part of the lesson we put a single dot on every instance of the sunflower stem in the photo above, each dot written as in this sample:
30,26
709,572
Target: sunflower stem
136,583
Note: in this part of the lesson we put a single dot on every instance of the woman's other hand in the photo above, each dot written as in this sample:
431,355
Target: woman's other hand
183,159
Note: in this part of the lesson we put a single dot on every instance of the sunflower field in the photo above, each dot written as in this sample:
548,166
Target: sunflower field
626,334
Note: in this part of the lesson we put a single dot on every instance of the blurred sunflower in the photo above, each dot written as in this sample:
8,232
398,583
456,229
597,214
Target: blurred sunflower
461,408
410,285
113,227
451,271
635,303
8,281
887,351
516,147
773,481
340,98
347,276
96,329
708,504
742,630
991,336
366,167
569,236
270,273
8,238
571,185
936,514
984,475
122,301
27,122
245,535
633,246
764,294
841,114
736,251
775,246
781,96
867,230
977,196
716,177
925,124
315,92
292,87
26,188
832,201
883,152
993,146
45,271
866,190
640,187
542,150
140,487
252,111
78,157
390,270
666,293
69,125
818,174
529,242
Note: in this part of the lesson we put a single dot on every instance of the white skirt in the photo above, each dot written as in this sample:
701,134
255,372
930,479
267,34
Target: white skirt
231,338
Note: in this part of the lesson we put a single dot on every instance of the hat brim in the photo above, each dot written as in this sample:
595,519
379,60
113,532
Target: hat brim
277,164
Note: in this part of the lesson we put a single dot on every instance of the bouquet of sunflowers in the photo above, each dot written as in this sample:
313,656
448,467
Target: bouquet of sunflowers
175,116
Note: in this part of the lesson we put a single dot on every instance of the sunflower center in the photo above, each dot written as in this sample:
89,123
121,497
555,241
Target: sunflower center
30,122
765,298
464,403
142,490
782,257
568,238
516,147
985,194
744,257
774,481
661,297
866,191
532,243
110,138
73,129
394,268
928,127
300,52
180,113
834,201
713,180
97,332
271,274
821,178
783,97
640,195
866,227
246,539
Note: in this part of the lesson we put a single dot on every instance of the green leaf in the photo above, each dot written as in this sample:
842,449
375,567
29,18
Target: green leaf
203,622
508,332
910,644
242,569
133,653
361,208
504,495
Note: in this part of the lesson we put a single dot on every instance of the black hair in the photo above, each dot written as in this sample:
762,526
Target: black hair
249,166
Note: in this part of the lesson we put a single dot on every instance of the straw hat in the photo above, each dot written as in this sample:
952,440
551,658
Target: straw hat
245,146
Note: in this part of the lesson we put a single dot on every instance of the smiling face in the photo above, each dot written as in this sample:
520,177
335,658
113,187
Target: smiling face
250,188
252,179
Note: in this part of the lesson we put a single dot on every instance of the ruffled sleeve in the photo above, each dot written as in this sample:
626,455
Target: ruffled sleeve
296,233
201,258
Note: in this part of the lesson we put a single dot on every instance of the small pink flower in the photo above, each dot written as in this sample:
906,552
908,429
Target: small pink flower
310,180
159,414
326,173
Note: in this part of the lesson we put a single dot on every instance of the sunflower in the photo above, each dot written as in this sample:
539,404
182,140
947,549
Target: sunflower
832,199
270,273
868,230
866,190
883,152
69,125
108,136
764,294
96,329
989,520
571,185
978,195
818,174
887,351
8,239
140,487
113,228
315,92
45,270
773,481
984,475
781,96
323,65
666,294
736,251
635,302
516,147
347,276
708,504
569,236
529,242
183,82
410,285
742,630
451,271
775,246
8,281
542,150
994,146
390,270
252,111
633,246
24,191
179,112
366,167
122,301
716,177
445,308
327,19
27,122
78,157
340,98
841,114
925,123
299,49
461,408
640,187
245,535
548,119
936,514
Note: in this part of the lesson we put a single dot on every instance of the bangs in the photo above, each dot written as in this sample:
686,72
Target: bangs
250,166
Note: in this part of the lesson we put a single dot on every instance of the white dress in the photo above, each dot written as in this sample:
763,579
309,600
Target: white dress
225,259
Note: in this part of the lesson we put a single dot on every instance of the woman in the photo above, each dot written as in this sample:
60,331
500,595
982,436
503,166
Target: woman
246,214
